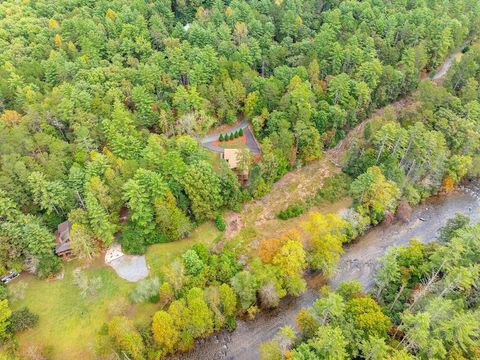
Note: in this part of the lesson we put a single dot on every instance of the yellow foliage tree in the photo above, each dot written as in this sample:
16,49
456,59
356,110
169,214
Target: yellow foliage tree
11,117
164,331
291,262
57,40
126,338
110,14
53,24
326,234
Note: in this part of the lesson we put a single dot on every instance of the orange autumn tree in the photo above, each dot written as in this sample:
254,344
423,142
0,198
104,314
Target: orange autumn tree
447,183
288,257
268,248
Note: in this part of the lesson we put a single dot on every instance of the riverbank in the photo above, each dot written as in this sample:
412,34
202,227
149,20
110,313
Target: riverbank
357,263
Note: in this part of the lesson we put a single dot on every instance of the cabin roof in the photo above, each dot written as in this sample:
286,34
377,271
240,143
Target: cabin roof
63,232
231,156
63,248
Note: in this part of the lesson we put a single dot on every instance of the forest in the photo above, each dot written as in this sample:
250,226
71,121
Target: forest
103,103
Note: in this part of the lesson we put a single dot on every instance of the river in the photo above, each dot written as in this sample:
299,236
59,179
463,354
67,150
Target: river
358,262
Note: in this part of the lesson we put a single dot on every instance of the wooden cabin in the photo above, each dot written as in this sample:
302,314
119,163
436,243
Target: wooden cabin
63,247
231,157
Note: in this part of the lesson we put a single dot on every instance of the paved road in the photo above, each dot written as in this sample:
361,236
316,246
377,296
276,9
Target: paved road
252,143
214,137
442,71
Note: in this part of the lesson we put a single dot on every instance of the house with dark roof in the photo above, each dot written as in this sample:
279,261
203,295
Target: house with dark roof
63,247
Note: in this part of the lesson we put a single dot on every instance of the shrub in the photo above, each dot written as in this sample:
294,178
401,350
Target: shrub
237,134
447,232
22,320
192,262
231,323
232,136
132,243
157,238
367,130
47,266
221,137
220,223
230,117
292,210
202,251
240,132
166,294
146,290
334,188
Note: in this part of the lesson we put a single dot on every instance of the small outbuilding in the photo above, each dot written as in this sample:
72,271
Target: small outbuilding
63,247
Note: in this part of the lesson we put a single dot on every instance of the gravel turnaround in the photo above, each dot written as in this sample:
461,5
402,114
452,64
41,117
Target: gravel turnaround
131,268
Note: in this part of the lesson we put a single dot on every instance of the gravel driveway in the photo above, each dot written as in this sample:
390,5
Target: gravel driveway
131,268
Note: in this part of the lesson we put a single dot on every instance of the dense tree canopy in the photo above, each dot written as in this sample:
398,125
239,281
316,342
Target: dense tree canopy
99,101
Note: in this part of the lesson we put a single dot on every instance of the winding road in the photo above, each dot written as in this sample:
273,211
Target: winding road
358,262
443,69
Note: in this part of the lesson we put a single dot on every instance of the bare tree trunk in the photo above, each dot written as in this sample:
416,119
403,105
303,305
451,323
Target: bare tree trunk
381,149
394,151
79,198
397,296
407,150
411,167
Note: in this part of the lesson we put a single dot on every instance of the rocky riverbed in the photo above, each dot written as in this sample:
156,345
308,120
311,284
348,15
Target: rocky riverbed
358,262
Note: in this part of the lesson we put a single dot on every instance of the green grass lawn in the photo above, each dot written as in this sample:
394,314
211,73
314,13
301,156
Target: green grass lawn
159,255
215,160
69,323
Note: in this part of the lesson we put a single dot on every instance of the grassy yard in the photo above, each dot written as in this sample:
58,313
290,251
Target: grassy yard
238,143
161,254
215,160
69,323
66,317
